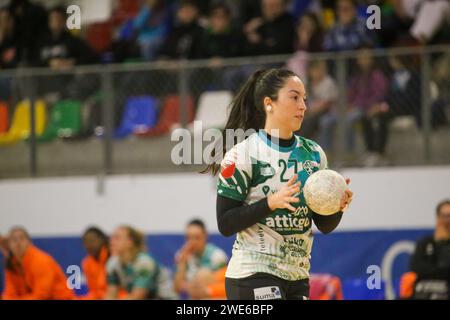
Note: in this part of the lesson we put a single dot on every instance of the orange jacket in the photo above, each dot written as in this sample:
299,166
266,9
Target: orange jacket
95,272
39,278
217,288
407,282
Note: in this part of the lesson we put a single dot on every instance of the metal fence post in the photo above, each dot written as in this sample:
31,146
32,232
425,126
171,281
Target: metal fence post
183,91
108,120
341,76
32,139
426,104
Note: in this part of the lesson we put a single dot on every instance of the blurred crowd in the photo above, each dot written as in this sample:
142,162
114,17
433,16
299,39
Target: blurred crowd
150,30
115,267
379,89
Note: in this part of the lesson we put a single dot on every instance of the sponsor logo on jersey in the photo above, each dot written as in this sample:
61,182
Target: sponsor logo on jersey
287,222
301,210
309,165
267,171
267,293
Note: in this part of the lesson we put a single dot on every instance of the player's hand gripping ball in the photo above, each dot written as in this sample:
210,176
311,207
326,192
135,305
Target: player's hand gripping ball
324,190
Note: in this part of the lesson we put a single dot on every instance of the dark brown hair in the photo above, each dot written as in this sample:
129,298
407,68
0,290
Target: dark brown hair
247,108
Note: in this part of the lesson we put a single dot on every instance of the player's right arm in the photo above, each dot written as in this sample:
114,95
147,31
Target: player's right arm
233,215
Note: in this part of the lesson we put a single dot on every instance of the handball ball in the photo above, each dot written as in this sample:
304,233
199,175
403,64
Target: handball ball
323,191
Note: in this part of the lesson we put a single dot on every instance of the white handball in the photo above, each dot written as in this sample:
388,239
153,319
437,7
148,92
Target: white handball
323,191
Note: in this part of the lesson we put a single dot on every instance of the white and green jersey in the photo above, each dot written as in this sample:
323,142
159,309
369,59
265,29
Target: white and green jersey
280,244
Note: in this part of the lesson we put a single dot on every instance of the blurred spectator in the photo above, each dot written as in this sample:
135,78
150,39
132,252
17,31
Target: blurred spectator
350,32
95,241
152,26
301,7
325,287
195,255
405,92
309,33
184,39
309,39
430,16
396,21
30,26
60,49
425,21
31,274
273,33
248,10
220,39
405,89
4,250
431,259
130,268
208,284
322,96
368,87
9,42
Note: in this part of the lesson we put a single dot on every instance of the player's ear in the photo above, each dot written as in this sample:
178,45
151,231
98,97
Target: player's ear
268,104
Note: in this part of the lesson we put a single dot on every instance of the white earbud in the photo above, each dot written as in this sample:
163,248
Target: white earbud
269,108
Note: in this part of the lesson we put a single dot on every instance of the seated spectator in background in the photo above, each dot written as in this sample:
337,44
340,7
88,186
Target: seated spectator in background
309,38
309,34
321,115
299,8
32,274
152,26
60,49
184,39
431,259
196,254
220,39
249,10
130,269
4,250
368,87
30,26
431,19
350,32
405,89
94,264
208,284
4,253
273,32
9,43
396,21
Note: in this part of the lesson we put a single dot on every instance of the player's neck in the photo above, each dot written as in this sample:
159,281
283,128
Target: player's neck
278,132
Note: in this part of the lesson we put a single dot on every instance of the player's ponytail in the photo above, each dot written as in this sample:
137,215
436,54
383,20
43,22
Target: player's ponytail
247,108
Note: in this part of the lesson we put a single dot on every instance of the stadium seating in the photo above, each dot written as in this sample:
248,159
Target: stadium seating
170,116
20,128
65,121
213,109
140,114
3,117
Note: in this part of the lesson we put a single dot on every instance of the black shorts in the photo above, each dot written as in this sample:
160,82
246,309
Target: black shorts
264,286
